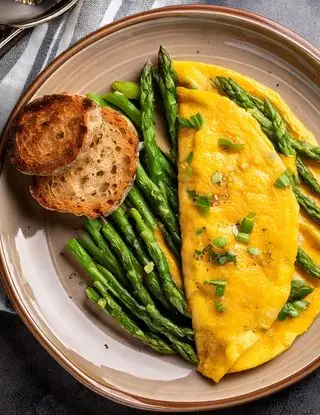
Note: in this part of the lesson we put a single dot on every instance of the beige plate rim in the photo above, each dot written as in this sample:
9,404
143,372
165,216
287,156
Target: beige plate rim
288,36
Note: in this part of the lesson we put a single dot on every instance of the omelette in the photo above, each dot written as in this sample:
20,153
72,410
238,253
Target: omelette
281,334
256,287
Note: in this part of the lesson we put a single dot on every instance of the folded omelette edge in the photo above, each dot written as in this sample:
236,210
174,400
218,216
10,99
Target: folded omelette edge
257,287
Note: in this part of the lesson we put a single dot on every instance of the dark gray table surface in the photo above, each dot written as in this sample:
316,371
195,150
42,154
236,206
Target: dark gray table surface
31,382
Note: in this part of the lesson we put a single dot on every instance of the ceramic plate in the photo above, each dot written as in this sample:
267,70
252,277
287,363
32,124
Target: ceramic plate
49,293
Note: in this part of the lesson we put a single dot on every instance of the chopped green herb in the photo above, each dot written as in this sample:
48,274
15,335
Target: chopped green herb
189,158
293,309
216,178
220,286
299,290
220,242
286,179
149,267
195,121
243,238
230,145
197,253
219,307
203,202
200,231
253,251
223,258
247,223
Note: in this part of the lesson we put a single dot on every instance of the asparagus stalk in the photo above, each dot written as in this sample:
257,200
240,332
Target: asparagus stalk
184,349
173,293
167,86
94,229
111,307
97,98
308,204
135,278
131,90
307,263
120,101
137,200
151,279
307,176
160,204
108,261
284,140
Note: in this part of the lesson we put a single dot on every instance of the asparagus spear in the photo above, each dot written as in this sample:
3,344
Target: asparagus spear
307,176
120,101
309,205
306,149
184,349
130,90
97,98
257,108
137,200
284,140
94,228
111,307
173,293
160,204
151,279
307,263
135,278
108,261
167,85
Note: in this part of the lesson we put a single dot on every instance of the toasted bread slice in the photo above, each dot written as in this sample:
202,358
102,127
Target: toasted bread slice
99,183
52,132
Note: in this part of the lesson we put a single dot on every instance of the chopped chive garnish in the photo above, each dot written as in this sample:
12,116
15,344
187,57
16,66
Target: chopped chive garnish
149,267
189,158
253,251
243,237
216,178
230,145
220,286
299,290
286,179
247,223
197,253
224,258
220,242
219,307
200,231
203,202
195,121
293,309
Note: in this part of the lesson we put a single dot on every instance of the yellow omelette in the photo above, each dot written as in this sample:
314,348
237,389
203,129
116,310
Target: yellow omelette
257,286
282,333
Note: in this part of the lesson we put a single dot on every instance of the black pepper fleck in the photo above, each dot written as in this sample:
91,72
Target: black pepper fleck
106,346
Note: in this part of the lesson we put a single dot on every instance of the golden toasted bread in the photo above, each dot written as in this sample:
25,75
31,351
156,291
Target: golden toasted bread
100,182
52,133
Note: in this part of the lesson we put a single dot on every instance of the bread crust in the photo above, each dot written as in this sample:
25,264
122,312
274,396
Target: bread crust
51,133
99,184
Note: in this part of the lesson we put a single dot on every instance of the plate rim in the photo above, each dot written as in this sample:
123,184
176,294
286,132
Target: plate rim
108,391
